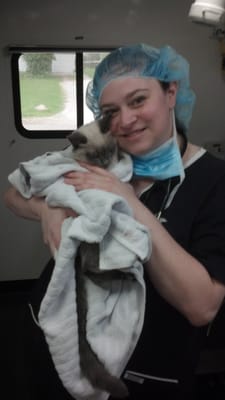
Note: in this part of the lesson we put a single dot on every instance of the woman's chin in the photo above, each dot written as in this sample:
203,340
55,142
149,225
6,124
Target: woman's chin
137,150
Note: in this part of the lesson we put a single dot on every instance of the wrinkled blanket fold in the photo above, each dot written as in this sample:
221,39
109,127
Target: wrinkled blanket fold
115,307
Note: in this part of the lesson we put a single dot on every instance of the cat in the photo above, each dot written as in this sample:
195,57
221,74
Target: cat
94,144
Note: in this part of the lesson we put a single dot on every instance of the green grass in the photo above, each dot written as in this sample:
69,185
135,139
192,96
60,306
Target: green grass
36,91
88,71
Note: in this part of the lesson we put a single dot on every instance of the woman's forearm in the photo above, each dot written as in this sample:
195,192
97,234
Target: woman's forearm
180,278
25,208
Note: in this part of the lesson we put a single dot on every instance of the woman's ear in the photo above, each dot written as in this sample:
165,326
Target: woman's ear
172,94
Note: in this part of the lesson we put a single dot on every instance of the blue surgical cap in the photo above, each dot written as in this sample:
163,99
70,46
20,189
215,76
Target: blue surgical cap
144,61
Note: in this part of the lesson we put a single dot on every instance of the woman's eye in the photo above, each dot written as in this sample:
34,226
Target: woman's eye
109,113
138,100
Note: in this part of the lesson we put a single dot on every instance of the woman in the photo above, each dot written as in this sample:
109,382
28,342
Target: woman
177,191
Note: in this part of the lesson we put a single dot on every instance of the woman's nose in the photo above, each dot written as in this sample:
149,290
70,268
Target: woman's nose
127,117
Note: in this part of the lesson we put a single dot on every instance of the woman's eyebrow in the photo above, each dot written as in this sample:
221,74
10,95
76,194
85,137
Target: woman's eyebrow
134,92
127,97
108,107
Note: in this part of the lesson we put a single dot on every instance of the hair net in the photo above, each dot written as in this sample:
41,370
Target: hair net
144,61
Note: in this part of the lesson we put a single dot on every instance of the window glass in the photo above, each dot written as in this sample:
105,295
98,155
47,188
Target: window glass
48,91
90,61
49,88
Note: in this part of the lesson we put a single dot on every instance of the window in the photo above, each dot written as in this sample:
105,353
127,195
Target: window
49,90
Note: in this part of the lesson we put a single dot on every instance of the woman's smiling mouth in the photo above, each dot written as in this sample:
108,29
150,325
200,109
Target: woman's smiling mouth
133,134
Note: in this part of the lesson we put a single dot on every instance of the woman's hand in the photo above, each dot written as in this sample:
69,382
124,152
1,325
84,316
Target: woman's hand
51,222
99,178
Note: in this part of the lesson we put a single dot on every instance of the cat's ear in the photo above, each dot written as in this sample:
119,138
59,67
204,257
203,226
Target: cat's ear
104,123
77,138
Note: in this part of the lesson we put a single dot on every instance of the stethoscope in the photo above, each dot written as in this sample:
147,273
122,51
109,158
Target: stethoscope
165,199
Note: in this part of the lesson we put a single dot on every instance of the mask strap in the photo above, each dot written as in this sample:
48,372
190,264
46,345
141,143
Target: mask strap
182,134
170,195
184,143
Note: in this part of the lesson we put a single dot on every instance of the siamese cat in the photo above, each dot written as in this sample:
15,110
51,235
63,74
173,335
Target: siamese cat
94,144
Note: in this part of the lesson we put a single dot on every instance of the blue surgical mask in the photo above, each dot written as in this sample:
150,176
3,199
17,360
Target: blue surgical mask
162,163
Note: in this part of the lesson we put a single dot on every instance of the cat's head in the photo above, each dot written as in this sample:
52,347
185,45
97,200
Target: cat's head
94,143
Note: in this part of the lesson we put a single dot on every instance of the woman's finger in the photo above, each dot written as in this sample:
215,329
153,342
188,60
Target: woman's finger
95,169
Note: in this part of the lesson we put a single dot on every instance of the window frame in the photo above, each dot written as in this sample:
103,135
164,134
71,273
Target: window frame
16,52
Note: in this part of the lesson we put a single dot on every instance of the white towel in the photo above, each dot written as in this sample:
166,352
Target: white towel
115,308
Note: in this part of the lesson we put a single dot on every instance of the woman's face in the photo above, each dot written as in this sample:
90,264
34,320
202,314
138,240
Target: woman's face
141,112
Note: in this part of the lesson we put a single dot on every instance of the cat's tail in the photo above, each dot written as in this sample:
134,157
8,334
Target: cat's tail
99,376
